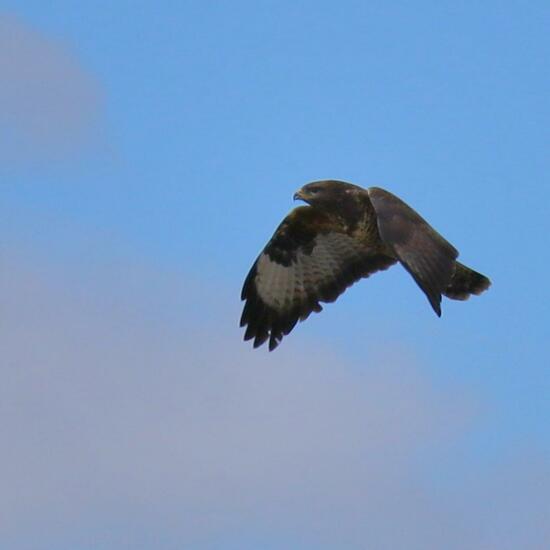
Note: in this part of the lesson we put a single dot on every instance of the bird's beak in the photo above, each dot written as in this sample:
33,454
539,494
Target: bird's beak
299,195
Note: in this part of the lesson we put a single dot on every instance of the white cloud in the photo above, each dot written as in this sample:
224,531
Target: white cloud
50,105
122,419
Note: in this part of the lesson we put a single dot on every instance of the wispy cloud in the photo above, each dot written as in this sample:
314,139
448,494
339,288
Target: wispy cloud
50,104
125,421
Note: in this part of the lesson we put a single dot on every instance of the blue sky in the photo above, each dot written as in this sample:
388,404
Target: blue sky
148,152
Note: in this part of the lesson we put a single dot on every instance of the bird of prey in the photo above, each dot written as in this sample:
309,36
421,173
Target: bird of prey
345,234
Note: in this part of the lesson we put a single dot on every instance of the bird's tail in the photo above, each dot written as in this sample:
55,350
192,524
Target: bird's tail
466,282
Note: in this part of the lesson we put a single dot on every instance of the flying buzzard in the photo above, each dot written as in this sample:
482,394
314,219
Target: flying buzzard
346,233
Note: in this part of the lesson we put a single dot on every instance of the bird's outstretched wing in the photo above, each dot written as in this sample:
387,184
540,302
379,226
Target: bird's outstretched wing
309,259
422,251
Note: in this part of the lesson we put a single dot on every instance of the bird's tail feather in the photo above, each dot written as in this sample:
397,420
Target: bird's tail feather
466,282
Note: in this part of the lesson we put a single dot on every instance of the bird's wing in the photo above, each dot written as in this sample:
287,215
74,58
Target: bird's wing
308,260
424,253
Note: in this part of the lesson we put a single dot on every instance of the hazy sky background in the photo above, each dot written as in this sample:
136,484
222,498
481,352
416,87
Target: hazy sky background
147,152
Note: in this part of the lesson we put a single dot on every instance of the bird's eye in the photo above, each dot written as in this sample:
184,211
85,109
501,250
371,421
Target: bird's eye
313,190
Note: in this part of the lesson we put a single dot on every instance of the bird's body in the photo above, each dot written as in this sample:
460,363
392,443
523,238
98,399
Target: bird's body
347,233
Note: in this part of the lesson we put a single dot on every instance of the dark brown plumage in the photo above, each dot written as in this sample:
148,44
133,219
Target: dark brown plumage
345,234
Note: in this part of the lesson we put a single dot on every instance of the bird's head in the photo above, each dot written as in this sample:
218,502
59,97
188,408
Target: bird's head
327,193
